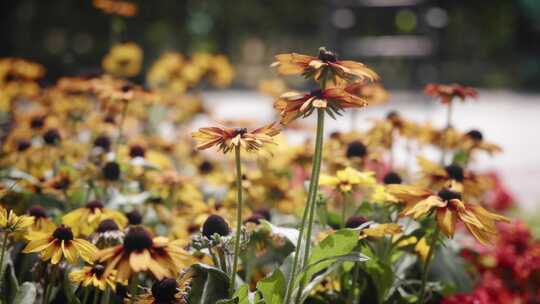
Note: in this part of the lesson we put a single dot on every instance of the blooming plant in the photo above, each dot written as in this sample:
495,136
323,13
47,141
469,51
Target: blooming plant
100,205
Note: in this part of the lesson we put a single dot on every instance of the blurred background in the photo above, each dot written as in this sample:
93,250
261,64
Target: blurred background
489,44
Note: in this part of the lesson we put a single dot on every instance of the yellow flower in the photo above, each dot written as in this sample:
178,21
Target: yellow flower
11,222
60,243
422,248
347,178
226,139
474,140
123,60
449,208
381,196
168,290
141,252
380,230
84,221
94,276
41,223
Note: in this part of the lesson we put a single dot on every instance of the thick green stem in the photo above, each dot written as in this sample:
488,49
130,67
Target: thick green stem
96,296
238,218
351,299
310,205
133,288
50,284
432,246
86,293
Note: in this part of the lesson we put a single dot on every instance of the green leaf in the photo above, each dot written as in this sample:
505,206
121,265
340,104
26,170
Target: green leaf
273,287
339,243
209,285
69,290
241,296
27,294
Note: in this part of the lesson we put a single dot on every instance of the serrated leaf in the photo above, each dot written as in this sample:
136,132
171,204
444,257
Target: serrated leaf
273,288
27,294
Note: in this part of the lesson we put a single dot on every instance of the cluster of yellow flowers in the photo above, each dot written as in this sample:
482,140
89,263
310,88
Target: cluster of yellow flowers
102,181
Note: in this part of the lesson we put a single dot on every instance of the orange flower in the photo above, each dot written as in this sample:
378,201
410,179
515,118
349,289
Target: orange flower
325,66
449,208
295,104
226,139
446,93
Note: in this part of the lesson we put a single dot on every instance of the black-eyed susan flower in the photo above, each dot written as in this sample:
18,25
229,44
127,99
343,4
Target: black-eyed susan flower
84,221
449,208
60,243
95,276
11,222
474,140
447,93
226,139
41,221
437,177
345,180
168,291
293,105
123,60
140,252
325,65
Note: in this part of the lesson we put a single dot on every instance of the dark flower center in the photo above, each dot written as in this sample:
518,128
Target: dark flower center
127,87
193,228
215,224
137,151
239,131
255,218
37,122
98,270
206,167
63,233
475,134
355,221
265,213
446,194
137,239
134,217
103,142
51,137
164,291
327,56
37,212
392,115
392,178
109,119
23,145
455,172
107,225
62,184
356,149
111,171
94,205
316,93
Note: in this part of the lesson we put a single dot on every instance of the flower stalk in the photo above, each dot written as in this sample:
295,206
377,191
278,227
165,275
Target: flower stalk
238,217
309,211
432,246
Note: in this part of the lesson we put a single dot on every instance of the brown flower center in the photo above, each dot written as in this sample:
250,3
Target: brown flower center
93,205
137,239
98,270
356,149
37,212
63,233
475,135
446,194
239,131
327,56
455,172
107,225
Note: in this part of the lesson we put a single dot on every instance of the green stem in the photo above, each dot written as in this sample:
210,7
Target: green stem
50,285
133,288
347,198
426,265
352,293
312,194
106,296
238,218
96,296
86,292
4,247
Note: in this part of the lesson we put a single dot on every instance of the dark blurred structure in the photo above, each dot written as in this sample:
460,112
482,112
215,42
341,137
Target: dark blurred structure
482,43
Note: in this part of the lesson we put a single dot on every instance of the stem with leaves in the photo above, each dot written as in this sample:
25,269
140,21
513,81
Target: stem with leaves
238,217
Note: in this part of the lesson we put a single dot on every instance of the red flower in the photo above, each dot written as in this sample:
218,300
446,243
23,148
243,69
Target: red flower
446,93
